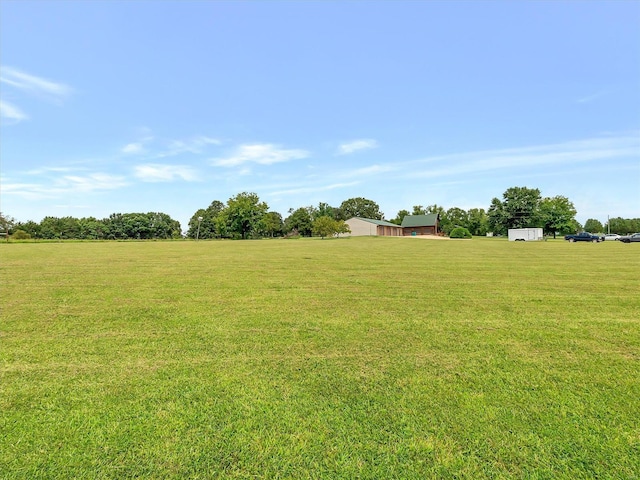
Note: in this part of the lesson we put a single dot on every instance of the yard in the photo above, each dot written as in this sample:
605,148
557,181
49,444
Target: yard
374,358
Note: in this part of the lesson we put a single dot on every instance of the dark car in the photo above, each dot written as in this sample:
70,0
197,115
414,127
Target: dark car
583,237
630,238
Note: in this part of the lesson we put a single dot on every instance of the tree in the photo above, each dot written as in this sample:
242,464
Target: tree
328,227
6,223
400,216
272,224
342,227
91,228
519,208
324,226
325,210
209,225
435,208
162,225
624,226
360,207
453,218
299,221
477,221
497,217
31,227
419,210
243,214
557,215
593,225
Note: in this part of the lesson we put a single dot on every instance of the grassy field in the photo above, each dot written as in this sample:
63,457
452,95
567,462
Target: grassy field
373,358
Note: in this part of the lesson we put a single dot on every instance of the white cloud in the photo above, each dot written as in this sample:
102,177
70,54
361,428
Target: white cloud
164,173
12,113
91,182
63,185
133,148
357,145
35,85
262,154
195,145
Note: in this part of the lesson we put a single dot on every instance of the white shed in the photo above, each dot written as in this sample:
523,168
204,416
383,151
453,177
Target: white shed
366,226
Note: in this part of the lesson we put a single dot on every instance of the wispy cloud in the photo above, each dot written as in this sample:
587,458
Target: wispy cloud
28,191
161,149
39,86
262,154
561,154
63,185
371,170
164,173
357,145
592,97
195,145
11,113
44,170
313,189
91,182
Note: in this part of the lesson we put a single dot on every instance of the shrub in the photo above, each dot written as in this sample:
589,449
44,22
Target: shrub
460,232
20,235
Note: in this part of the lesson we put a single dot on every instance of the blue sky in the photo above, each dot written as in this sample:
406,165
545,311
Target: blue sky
138,106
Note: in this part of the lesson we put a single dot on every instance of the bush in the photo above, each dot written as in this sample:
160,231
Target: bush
460,232
20,235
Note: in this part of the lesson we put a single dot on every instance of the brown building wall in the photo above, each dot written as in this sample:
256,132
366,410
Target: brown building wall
389,231
408,231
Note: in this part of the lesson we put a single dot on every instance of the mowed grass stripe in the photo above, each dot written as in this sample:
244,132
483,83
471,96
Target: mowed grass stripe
347,358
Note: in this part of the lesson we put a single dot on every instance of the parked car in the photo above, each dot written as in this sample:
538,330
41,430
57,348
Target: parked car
630,238
583,237
612,236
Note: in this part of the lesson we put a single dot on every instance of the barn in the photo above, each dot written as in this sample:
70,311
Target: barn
420,224
367,226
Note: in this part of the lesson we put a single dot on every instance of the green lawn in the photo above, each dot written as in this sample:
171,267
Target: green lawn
373,358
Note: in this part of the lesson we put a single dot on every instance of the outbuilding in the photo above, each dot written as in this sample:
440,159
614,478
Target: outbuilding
369,227
420,224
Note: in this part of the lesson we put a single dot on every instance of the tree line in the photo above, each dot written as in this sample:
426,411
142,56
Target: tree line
118,226
245,216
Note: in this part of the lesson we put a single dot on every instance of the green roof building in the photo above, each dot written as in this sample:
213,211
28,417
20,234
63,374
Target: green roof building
420,224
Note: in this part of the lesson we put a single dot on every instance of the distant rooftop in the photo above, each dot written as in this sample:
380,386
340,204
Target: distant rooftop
429,220
384,223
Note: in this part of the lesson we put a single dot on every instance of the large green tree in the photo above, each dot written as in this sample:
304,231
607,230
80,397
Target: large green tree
299,221
478,222
243,215
360,207
624,226
328,227
593,226
557,215
519,208
272,224
209,226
